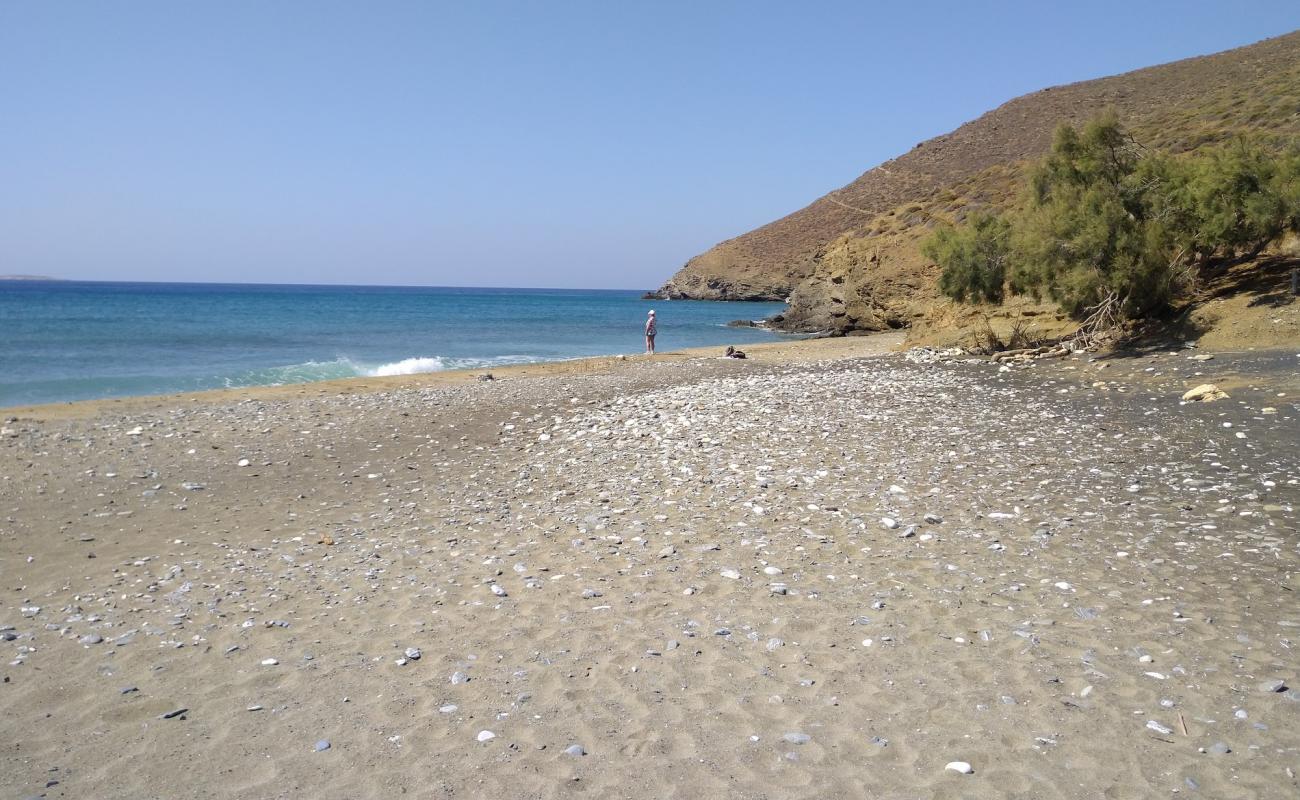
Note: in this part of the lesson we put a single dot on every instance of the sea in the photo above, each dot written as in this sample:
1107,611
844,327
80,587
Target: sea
72,340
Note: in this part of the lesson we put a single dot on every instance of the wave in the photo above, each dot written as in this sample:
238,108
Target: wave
409,366
344,367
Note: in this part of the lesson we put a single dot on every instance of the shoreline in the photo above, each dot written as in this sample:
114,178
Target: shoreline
763,352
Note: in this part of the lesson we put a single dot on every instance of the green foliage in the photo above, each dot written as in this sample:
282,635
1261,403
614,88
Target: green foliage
1085,235
1105,223
1241,197
974,258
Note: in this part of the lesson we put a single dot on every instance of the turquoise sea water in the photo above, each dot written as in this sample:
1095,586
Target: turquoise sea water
67,340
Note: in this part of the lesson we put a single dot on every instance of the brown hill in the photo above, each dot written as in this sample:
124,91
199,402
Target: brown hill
850,260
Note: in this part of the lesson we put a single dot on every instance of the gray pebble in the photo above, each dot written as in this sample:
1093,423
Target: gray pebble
322,745
797,738
575,750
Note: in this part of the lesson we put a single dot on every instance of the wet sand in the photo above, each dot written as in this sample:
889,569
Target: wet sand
826,570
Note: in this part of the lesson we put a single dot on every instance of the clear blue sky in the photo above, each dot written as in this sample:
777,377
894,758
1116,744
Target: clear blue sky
569,144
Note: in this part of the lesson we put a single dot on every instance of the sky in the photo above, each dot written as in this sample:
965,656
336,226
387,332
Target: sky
560,144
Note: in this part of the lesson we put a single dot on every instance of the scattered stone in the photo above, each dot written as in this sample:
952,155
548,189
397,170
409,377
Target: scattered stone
959,766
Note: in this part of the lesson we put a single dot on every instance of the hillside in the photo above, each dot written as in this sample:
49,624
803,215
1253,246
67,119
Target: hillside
850,260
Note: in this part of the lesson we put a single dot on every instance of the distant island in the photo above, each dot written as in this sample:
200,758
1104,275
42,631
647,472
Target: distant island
27,278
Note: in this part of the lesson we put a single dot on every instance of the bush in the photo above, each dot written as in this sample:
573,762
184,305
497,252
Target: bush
974,257
1241,198
1105,224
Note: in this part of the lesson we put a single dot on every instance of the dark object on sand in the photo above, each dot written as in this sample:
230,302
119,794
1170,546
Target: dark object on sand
734,353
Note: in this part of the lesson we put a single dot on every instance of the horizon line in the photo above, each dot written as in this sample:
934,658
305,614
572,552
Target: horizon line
28,279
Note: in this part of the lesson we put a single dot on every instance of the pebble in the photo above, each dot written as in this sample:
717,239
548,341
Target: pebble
412,653
269,662
575,750
322,745
486,736
1272,686
603,476
797,738
730,574
959,766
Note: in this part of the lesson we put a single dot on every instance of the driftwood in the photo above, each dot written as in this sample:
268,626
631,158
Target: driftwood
1030,353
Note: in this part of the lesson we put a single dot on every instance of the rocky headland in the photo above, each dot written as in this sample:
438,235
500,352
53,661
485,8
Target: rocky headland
851,261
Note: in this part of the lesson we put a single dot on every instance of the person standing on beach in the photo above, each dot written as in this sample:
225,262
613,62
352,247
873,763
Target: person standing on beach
650,330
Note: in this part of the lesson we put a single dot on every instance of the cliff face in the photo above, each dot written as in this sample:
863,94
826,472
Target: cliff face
850,260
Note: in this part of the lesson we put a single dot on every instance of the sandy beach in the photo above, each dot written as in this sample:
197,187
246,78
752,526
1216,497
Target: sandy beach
828,570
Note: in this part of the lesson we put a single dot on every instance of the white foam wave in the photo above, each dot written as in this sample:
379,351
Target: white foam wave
345,367
408,366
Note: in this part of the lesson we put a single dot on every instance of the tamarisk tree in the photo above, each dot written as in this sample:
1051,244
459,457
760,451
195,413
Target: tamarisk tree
1110,230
